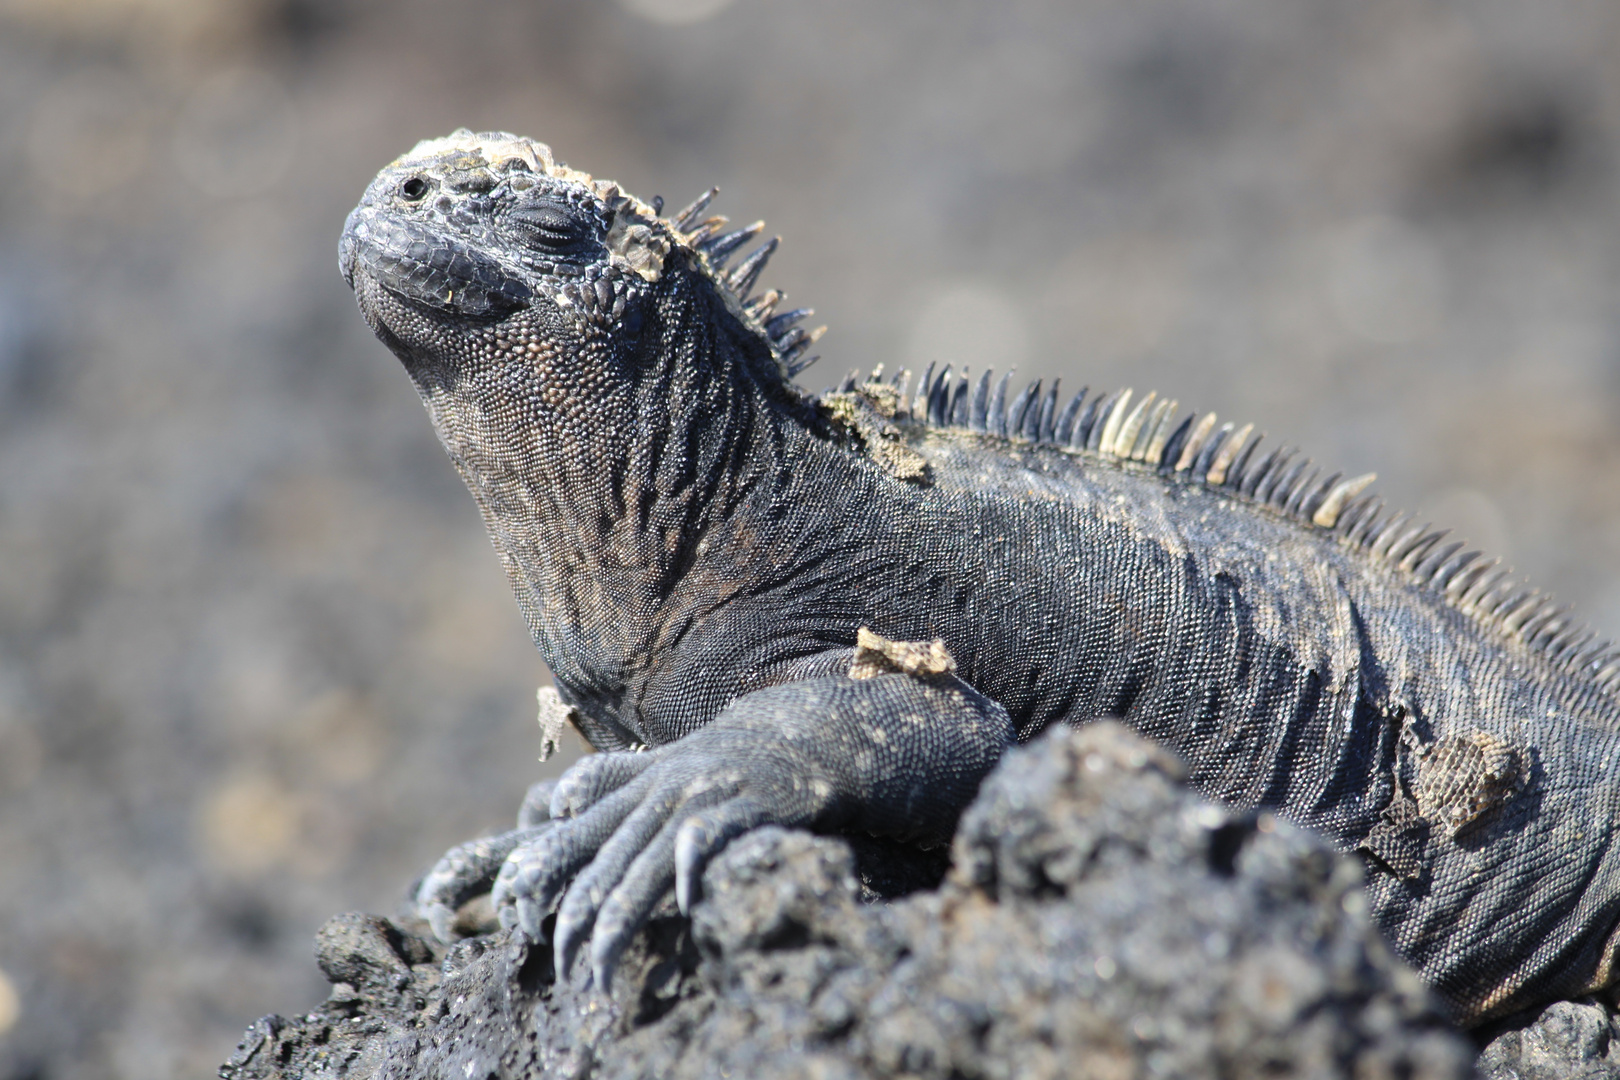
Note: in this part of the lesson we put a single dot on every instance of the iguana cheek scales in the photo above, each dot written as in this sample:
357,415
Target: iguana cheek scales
838,612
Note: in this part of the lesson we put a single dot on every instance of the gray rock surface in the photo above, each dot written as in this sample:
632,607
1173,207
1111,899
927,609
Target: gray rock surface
1098,919
1568,1040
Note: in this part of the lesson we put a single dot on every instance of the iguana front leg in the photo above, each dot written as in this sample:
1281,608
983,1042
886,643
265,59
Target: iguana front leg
892,753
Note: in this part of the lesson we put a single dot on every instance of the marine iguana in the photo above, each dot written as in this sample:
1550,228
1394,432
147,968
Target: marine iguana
839,611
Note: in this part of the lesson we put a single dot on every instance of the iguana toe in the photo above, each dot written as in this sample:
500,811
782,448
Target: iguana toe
464,872
631,902
700,838
644,843
536,806
536,873
582,786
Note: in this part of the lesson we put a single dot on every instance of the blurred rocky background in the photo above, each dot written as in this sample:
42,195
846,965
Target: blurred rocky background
257,662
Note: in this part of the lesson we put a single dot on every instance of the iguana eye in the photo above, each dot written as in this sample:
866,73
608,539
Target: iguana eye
413,189
548,226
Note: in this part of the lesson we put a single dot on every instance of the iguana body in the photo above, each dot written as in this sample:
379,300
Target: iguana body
696,545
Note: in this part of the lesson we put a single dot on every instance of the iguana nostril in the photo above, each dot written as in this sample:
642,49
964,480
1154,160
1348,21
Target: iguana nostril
414,188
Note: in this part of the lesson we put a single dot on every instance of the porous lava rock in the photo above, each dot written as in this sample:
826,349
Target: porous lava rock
1097,920
1567,1040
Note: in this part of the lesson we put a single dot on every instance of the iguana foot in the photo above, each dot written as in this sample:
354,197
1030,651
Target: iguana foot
671,811
828,753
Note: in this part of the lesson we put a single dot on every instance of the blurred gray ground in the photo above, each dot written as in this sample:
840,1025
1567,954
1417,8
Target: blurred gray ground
257,662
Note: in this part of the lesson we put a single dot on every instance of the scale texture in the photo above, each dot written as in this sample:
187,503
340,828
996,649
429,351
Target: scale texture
839,612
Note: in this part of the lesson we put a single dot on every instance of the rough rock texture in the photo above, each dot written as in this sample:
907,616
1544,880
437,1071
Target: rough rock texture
1568,1040
1098,920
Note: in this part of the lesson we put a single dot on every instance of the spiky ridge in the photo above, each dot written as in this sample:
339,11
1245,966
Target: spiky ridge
1153,434
708,238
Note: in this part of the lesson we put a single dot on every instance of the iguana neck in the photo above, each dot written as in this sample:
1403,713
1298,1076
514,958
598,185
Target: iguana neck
601,469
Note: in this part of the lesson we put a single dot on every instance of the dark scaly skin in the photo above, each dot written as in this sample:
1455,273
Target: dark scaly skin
694,545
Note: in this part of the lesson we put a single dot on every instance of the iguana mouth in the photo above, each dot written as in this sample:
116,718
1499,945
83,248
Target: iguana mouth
419,264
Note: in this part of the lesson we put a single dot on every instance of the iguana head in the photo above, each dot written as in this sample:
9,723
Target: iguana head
475,250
